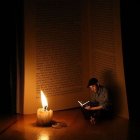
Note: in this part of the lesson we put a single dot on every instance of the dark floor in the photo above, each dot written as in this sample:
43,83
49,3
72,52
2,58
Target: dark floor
72,126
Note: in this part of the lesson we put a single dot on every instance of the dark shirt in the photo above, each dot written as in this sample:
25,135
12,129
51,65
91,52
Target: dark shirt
100,97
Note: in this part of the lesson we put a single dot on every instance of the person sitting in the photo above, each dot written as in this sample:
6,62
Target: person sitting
99,106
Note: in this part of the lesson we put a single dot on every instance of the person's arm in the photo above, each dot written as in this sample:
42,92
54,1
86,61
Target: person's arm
94,108
103,101
104,98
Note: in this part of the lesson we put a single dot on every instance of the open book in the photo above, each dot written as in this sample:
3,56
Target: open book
83,104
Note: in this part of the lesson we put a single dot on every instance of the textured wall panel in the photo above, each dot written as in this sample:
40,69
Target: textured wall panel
58,46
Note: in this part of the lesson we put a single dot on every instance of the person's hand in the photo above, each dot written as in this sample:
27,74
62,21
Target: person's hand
87,107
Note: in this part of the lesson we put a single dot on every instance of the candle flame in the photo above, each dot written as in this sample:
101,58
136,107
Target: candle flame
44,100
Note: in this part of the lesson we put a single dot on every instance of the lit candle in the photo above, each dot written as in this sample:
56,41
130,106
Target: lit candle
44,116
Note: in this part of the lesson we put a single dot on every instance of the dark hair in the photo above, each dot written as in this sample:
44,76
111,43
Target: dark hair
92,81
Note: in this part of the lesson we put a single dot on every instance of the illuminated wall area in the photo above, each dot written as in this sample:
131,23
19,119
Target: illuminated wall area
66,43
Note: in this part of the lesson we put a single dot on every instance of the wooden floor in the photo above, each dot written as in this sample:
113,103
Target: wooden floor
72,126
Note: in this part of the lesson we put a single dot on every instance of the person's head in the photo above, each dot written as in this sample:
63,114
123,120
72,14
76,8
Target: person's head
93,84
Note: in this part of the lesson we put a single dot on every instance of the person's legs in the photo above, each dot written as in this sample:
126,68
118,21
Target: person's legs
95,115
100,114
87,113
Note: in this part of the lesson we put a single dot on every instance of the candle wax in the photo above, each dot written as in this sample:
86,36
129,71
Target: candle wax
44,116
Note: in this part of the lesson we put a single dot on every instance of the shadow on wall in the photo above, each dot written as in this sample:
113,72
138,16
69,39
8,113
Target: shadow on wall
114,90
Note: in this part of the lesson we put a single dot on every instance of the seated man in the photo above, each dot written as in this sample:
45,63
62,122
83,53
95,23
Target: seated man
99,105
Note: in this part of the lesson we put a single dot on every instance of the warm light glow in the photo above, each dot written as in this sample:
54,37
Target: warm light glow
44,100
43,136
